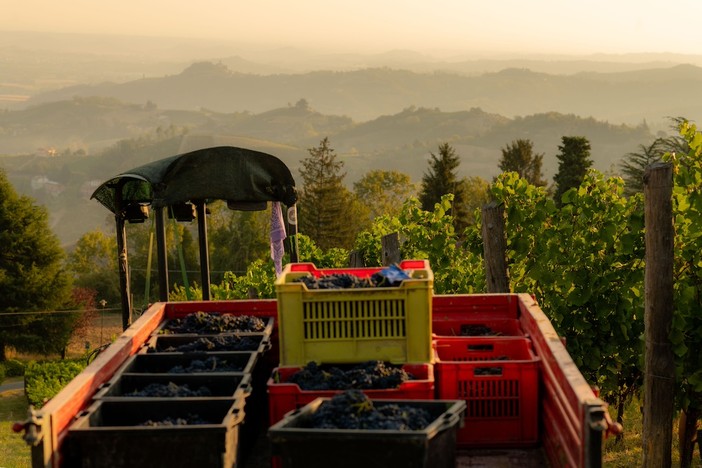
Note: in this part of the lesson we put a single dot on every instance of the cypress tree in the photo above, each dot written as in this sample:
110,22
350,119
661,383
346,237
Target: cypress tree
441,179
573,164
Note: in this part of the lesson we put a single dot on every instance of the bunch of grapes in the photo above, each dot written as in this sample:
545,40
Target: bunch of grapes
215,343
477,330
367,375
211,364
354,410
204,322
170,390
190,419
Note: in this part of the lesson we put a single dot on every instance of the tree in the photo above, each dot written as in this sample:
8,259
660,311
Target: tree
384,192
328,212
31,277
442,179
634,165
477,194
573,163
237,239
93,263
519,157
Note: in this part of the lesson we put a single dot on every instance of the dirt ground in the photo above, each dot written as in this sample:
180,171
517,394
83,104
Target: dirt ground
105,328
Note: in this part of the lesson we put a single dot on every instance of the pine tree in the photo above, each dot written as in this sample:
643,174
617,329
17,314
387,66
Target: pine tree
519,157
31,277
441,179
327,211
573,163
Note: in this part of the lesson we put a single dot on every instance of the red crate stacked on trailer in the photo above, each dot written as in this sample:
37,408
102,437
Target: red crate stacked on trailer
484,357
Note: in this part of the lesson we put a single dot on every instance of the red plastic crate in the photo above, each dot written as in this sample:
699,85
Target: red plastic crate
284,397
458,324
499,380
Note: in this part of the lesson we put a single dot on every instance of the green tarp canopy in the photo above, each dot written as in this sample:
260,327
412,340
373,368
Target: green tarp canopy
220,173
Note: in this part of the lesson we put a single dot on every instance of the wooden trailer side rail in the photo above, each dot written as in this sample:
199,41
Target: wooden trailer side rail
573,418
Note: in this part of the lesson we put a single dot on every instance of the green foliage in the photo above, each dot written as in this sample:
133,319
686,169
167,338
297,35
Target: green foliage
429,235
43,380
259,279
3,373
31,277
236,238
14,368
442,179
383,192
327,211
93,264
634,165
686,332
573,163
519,157
584,262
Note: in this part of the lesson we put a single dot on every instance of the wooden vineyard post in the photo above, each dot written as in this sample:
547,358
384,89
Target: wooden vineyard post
391,248
355,259
495,248
659,366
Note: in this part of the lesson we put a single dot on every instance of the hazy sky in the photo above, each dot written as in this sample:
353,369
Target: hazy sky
546,26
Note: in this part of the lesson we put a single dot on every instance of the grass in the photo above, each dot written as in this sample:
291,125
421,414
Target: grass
628,453
14,452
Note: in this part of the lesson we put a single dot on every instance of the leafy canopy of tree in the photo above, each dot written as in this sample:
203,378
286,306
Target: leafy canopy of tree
93,263
519,157
441,179
328,212
477,193
635,163
384,192
236,238
573,163
32,277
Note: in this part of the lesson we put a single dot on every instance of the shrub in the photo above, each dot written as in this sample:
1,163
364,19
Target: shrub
43,380
14,368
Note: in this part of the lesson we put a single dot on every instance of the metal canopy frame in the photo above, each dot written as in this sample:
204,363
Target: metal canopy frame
244,178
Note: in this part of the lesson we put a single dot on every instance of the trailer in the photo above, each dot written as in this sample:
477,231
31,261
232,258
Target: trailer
520,398
571,420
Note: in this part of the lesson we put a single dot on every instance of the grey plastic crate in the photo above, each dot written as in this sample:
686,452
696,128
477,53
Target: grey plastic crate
109,435
164,363
227,386
432,447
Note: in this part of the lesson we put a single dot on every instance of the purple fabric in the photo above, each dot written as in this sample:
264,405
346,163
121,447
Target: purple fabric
277,236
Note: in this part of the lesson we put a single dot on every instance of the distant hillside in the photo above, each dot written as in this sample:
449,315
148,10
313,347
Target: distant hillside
57,152
622,97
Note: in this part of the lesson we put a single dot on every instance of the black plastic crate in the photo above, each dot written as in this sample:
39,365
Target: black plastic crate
259,342
432,447
109,434
191,363
226,386
163,328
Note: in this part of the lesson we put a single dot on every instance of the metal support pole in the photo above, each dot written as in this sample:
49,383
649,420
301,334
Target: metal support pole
124,288
201,212
162,254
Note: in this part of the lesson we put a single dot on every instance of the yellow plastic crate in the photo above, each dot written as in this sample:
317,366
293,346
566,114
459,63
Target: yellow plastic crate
353,325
